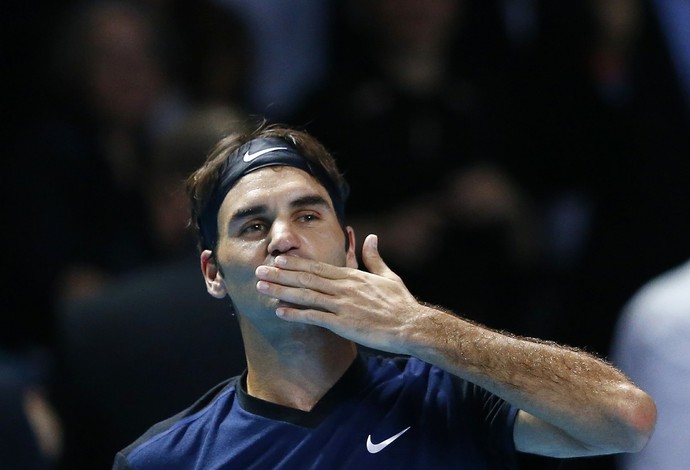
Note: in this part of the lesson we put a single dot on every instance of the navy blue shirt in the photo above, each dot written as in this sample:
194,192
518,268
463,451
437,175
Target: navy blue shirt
385,412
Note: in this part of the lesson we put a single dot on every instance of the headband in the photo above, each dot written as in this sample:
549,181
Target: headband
254,155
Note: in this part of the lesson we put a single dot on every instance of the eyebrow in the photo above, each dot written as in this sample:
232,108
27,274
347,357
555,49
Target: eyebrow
260,209
311,200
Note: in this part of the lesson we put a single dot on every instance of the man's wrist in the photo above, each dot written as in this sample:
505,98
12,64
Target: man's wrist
433,331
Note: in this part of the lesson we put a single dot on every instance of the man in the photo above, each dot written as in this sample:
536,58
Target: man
269,207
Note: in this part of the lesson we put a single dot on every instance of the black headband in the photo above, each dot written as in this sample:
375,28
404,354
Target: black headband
253,155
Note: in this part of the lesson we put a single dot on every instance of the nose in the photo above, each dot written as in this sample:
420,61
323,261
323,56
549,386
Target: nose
283,238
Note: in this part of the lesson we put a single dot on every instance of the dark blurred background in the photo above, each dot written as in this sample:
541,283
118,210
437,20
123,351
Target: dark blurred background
524,162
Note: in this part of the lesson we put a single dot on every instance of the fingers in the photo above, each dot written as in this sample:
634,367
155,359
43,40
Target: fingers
307,316
294,263
372,259
301,279
298,296
302,282
290,278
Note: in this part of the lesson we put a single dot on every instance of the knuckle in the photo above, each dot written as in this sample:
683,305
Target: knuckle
343,305
319,269
350,289
306,279
308,316
275,274
312,297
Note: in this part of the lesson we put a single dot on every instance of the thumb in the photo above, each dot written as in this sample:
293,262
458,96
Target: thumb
372,259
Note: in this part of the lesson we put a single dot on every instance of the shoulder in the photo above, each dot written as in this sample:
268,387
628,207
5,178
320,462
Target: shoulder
183,426
414,376
382,367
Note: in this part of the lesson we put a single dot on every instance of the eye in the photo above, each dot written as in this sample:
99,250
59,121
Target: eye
309,217
253,228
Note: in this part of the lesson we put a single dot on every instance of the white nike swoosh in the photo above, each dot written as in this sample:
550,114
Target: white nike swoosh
248,157
374,448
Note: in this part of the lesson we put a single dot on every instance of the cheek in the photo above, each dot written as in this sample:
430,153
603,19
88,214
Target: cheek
330,246
240,284
236,274
240,263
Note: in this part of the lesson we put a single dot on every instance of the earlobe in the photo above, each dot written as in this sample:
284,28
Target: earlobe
212,276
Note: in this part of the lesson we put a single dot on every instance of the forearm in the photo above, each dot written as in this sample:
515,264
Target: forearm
584,397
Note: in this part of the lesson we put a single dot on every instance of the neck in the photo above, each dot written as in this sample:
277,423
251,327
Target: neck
296,367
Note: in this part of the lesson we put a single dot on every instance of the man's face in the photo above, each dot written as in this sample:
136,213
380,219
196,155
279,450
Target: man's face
269,212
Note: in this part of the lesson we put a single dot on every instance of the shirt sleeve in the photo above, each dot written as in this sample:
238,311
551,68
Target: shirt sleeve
474,419
495,420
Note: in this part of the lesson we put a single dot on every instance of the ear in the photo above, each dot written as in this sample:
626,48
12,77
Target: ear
351,256
214,280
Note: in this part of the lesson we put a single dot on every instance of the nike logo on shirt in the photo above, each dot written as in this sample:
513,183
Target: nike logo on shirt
248,157
375,448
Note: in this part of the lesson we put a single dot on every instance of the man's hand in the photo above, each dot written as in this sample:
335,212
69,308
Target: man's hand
372,308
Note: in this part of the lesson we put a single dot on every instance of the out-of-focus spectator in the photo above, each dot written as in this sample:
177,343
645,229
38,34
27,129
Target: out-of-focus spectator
652,345
91,156
290,51
218,52
151,341
116,60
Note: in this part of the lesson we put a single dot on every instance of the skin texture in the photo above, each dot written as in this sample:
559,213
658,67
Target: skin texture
303,304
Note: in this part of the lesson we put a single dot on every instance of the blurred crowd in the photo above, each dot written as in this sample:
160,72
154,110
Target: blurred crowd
525,163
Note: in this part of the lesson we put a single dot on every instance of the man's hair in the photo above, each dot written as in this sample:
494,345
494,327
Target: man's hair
203,184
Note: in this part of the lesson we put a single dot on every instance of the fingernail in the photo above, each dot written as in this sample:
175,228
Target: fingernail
261,285
281,261
261,271
280,312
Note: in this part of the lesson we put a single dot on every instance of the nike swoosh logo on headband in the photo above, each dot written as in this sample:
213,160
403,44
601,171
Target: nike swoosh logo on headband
248,157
